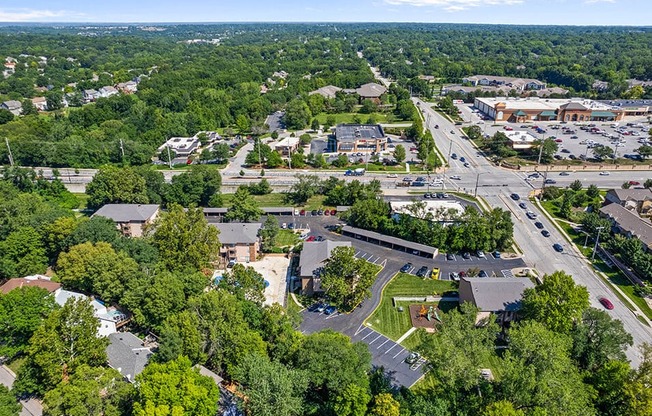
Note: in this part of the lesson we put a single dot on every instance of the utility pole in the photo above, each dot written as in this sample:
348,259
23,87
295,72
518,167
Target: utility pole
540,151
260,162
477,181
597,240
122,150
11,156
169,158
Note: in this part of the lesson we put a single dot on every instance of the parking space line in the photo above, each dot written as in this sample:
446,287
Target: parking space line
391,348
375,339
370,332
386,341
399,353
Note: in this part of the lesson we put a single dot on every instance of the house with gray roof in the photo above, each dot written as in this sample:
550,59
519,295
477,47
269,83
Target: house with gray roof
131,219
127,354
371,91
240,241
329,91
312,259
500,296
13,106
628,223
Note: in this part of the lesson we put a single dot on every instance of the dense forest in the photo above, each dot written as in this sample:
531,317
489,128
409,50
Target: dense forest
209,77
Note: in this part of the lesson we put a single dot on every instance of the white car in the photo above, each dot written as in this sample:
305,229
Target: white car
456,177
604,173
392,175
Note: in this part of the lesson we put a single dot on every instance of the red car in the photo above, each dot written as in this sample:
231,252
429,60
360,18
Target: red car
634,183
606,303
333,211
303,212
508,128
558,140
311,238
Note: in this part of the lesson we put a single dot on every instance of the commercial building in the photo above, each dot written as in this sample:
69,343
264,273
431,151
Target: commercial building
437,210
519,110
520,140
240,241
359,138
312,259
632,107
287,146
182,146
510,83
131,219
500,296
371,91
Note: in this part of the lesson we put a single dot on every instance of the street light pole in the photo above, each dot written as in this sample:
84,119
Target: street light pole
595,248
477,181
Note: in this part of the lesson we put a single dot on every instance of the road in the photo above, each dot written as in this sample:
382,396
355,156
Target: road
31,407
496,184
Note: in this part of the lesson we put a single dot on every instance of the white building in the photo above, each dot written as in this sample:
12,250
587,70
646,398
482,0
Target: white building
182,146
520,139
437,210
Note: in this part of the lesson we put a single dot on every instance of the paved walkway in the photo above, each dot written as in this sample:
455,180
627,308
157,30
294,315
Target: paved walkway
407,334
31,407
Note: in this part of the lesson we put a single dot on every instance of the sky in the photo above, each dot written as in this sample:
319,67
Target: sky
541,12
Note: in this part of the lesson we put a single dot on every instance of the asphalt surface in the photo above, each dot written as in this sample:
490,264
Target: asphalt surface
275,121
31,407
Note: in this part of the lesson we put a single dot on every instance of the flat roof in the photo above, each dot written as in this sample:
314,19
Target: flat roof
352,132
518,136
389,239
543,104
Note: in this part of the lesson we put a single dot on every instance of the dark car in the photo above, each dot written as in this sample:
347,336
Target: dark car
466,255
538,225
522,205
545,233
330,310
462,159
320,212
483,274
412,358
496,254
606,303
515,197
454,156
319,238
558,247
314,307
531,215
550,181
313,212
450,256
422,272
406,267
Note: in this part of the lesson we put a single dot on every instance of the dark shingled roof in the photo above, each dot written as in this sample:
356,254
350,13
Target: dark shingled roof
127,212
127,354
494,294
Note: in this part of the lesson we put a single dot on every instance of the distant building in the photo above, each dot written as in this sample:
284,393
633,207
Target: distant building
500,296
110,318
40,103
287,145
43,282
629,223
328,91
520,140
108,91
90,95
628,196
128,87
311,262
131,219
371,91
518,84
13,106
240,241
519,110
600,86
127,354
632,107
359,138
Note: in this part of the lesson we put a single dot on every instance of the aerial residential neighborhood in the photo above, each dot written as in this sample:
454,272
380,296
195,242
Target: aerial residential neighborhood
318,217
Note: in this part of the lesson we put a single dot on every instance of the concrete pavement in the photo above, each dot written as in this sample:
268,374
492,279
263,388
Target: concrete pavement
31,407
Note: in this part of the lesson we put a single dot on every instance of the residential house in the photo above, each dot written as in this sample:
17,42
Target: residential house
41,103
131,219
110,318
625,196
371,91
499,296
628,223
600,86
43,282
359,138
311,262
13,106
328,91
128,87
240,241
127,354
108,91
90,95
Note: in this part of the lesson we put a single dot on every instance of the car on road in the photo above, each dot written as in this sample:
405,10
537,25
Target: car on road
456,177
422,272
558,247
564,173
496,254
406,267
450,257
515,197
483,274
330,310
480,254
605,173
545,233
549,181
427,195
534,175
412,358
606,303
523,205
466,255
634,183
531,215
539,225
392,175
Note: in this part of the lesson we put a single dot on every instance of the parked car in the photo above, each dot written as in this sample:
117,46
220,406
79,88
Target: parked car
496,254
454,156
545,233
314,307
483,274
313,212
412,358
406,267
538,225
322,307
466,255
462,159
311,238
422,272
392,175
558,247
450,257
330,310
333,211
606,303
454,276
480,254
456,177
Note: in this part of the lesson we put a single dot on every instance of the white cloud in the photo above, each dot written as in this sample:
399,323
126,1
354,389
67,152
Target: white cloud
31,15
458,5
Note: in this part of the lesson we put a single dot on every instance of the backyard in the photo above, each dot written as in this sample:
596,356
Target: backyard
387,319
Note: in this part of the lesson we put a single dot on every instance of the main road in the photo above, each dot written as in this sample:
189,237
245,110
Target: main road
496,184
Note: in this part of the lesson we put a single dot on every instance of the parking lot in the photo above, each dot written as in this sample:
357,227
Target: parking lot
324,145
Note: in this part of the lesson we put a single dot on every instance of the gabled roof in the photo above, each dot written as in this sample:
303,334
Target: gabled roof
629,222
32,281
127,212
371,89
328,91
631,194
13,104
573,106
315,252
494,294
127,354
238,232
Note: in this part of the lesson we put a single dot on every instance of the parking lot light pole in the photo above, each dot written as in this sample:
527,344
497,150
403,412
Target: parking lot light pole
595,248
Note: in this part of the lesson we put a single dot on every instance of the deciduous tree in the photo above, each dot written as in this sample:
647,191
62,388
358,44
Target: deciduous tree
244,208
347,279
113,185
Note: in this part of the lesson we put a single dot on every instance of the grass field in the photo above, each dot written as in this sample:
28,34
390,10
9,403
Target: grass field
286,238
387,320
349,118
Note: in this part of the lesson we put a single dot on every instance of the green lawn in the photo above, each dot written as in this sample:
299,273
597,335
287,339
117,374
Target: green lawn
387,320
349,117
286,238
83,200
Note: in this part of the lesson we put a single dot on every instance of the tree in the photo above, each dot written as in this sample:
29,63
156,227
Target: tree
368,107
385,405
315,124
200,186
598,339
244,208
90,391
175,388
274,160
5,116
603,152
576,185
94,230
261,188
399,153
637,392
9,406
352,401
268,233
180,336
647,184
297,114
645,151
242,122
304,189
185,239
502,408
547,148
21,312
245,283
592,191
271,388
54,100
113,185
557,303
346,279
66,340
22,254
97,268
